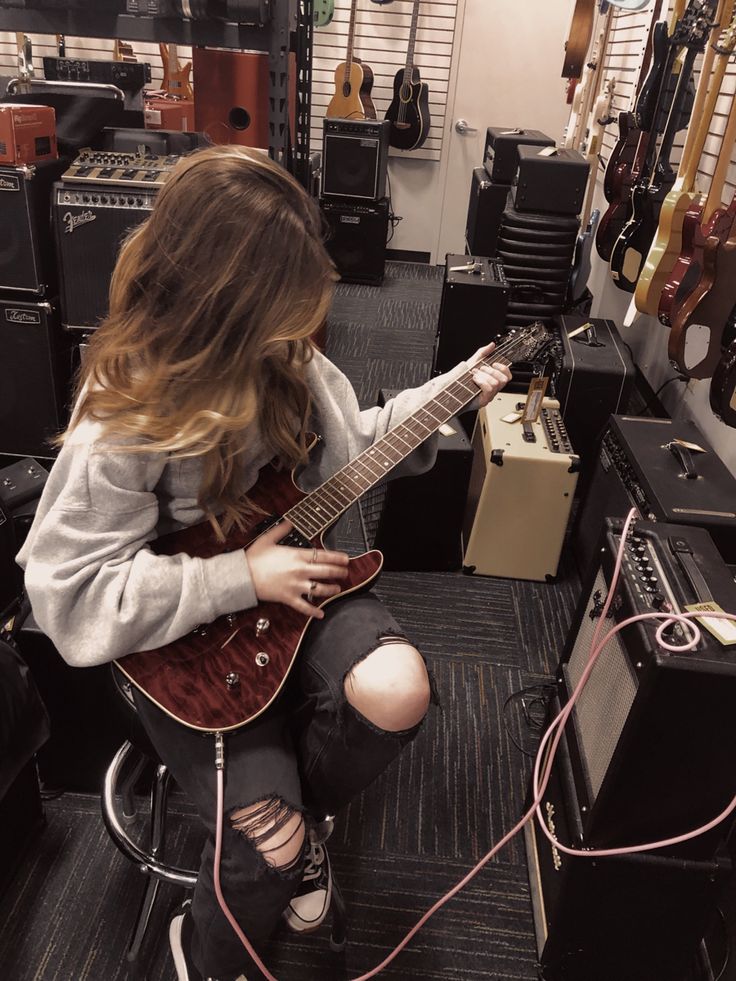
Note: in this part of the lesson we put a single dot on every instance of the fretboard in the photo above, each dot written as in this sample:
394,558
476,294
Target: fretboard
319,510
412,41
351,38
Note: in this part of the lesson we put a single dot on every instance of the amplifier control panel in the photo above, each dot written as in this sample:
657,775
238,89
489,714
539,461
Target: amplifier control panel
614,456
126,169
104,197
554,428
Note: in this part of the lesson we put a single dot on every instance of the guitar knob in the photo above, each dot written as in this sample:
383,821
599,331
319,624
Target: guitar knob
262,625
232,680
262,659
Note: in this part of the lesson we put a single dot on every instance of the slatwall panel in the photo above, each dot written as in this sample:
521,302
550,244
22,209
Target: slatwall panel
381,39
623,59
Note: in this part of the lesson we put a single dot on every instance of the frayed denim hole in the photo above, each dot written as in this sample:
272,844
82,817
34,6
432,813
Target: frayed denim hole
276,814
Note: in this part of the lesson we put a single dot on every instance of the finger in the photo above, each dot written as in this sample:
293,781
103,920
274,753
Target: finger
483,352
302,606
324,570
334,558
321,590
278,531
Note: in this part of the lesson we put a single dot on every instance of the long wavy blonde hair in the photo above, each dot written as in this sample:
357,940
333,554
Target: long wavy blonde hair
213,302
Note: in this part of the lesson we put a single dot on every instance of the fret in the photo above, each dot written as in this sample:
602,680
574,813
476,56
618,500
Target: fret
328,489
322,506
302,521
394,434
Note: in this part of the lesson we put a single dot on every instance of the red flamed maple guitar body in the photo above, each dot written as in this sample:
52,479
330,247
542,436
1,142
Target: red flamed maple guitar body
188,678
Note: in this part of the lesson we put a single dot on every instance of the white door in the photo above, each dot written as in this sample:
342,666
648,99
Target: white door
508,74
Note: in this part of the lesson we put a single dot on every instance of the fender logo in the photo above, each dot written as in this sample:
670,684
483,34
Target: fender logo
74,221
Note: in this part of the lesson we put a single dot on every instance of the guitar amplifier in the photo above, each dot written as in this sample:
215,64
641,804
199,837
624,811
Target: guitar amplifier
35,377
160,112
21,485
357,238
27,134
643,464
595,380
130,76
551,184
652,736
231,95
355,158
26,247
638,917
475,295
521,491
9,585
501,152
435,500
485,208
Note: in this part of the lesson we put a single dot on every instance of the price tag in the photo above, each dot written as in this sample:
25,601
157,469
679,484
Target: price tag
693,447
511,417
548,151
534,399
723,630
579,330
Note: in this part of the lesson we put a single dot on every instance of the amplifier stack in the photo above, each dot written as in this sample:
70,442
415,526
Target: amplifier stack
353,201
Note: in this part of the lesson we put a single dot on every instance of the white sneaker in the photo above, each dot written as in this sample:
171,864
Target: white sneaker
308,908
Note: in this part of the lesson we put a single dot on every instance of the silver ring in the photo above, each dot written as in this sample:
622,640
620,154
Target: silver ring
310,593
314,555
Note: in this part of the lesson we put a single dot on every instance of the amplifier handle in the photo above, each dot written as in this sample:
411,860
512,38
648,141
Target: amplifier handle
685,459
684,554
80,88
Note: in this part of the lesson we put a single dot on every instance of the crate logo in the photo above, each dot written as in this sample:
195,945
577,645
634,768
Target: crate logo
9,183
74,221
15,316
350,219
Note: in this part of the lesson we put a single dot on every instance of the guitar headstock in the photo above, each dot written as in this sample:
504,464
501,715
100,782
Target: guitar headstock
524,344
727,39
692,30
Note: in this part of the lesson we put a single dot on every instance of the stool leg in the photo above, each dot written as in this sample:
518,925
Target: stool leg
141,924
339,934
129,807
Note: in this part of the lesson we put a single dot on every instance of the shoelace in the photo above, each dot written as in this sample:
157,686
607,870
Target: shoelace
315,861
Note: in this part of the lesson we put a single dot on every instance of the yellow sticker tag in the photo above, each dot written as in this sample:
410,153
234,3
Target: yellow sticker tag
548,151
447,430
511,417
722,629
578,330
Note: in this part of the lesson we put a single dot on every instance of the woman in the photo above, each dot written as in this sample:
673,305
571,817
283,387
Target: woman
203,372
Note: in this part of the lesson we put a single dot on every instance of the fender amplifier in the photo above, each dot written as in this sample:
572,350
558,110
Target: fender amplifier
595,380
552,183
645,463
34,378
521,491
90,224
501,152
485,208
637,917
355,158
26,248
475,296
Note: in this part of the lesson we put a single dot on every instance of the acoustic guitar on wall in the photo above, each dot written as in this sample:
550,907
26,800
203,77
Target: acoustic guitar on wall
409,109
353,83
176,83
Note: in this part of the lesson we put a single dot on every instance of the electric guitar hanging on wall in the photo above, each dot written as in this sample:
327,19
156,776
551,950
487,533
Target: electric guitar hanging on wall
176,83
324,11
409,109
353,83
223,675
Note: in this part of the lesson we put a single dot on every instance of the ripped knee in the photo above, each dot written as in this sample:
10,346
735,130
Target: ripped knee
390,687
274,829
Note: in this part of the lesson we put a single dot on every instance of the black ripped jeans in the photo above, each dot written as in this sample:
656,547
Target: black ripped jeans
310,751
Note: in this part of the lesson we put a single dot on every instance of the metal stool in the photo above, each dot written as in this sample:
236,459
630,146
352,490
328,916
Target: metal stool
119,810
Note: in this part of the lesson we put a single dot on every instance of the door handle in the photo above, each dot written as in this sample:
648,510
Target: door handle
461,126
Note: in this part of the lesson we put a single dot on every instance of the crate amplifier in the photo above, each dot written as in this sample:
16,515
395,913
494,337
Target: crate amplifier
355,158
475,295
653,735
521,491
550,182
101,197
646,463
26,249
357,238
485,209
501,152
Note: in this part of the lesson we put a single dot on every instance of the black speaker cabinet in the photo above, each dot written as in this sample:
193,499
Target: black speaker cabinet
636,917
642,463
501,152
357,238
475,295
355,158
485,208
595,380
551,184
34,378
90,224
26,246
652,736
8,569
421,520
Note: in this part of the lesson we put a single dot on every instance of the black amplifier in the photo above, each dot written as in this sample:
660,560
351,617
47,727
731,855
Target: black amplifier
355,158
646,463
241,11
485,208
635,917
551,183
90,223
8,570
357,238
21,485
475,295
26,246
594,380
501,152
130,76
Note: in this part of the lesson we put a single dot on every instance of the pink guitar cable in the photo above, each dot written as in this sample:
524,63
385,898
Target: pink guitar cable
541,775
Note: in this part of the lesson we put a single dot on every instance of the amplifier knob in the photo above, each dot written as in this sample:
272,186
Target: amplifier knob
85,198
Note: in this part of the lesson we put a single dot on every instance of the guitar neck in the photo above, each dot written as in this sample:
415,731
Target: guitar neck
316,512
673,120
351,39
715,192
412,42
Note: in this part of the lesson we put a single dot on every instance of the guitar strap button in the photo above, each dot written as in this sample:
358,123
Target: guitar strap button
262,659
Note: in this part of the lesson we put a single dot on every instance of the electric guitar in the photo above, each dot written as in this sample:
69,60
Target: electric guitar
585,91
723,384
225,674
649,192
668,243
409,109
353,83
123,51
176,83
578,40
26,71
324,11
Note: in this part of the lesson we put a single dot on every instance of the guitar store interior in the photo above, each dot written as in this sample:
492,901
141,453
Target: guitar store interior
561,181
